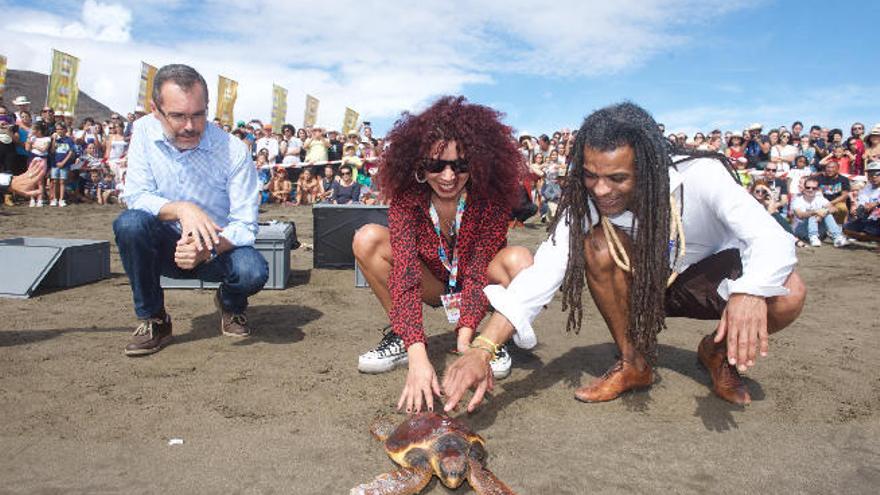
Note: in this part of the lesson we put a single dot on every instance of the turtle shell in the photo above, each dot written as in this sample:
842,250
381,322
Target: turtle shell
425,429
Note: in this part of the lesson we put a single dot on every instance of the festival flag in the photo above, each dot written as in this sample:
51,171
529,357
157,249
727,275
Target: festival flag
311,113
2,76
349,123
63,90
227,92
145,92
279,107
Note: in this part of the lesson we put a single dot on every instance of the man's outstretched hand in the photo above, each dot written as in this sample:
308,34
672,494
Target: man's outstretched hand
470,371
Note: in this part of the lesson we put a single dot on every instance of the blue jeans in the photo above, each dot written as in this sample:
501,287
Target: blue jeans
813,227
147,245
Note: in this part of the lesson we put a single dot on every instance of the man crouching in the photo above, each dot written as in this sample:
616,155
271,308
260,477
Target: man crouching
191,192
653,232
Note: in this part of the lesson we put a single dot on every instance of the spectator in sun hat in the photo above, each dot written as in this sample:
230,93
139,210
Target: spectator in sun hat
334,151
865,211
21,104
872,145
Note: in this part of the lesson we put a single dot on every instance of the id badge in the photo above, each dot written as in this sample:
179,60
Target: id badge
452,305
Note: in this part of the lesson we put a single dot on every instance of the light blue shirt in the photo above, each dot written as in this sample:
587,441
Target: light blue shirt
218,176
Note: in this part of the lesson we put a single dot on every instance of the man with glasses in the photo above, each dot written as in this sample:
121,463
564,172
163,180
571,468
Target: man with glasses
866,210
47,115
192,198
812,216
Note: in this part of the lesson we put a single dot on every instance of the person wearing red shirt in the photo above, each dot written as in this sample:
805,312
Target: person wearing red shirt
450,174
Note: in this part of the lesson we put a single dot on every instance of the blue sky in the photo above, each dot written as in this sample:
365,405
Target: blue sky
694,64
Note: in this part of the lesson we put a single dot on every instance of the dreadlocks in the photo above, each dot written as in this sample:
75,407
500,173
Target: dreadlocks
624,124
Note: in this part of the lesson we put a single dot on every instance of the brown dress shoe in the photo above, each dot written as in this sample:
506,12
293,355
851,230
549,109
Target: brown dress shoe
726,382
621,377
231,324
150,337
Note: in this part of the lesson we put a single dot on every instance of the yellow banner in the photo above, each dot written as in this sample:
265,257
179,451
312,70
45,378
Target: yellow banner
311,113
227,92
350,122
279,107
2,76
63,90
145,91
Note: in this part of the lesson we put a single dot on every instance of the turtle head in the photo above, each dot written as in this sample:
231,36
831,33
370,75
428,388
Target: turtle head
451,462
451,468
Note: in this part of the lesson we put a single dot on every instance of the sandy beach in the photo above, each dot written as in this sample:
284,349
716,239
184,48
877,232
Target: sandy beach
287,412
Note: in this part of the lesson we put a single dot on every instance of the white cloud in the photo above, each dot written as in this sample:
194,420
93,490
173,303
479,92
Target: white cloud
378,58
99,21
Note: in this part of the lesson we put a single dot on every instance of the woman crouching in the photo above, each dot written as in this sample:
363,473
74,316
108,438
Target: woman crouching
450,174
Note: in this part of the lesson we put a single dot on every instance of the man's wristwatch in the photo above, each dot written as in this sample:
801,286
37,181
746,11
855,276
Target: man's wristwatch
5,181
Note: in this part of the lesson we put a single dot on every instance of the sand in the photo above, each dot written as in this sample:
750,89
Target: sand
287,412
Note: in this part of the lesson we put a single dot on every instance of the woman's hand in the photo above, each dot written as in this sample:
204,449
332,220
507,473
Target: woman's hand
464,339
421,382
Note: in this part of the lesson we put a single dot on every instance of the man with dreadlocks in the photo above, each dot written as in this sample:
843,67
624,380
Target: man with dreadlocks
653,232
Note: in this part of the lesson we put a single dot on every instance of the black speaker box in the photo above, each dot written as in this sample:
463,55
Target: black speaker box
334,227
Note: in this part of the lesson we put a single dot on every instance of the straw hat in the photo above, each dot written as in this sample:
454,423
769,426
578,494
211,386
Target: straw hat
755,127
21,100
875,131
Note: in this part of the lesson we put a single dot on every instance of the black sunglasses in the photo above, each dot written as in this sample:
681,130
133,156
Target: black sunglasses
810,188
436,166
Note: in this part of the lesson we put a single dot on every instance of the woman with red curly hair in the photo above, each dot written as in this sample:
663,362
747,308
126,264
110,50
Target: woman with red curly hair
450,174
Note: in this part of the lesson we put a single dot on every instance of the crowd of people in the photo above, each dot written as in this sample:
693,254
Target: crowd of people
780,168
815,184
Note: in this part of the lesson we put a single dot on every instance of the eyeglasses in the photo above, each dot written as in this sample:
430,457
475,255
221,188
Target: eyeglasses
345,174
873,173
436,166
771,169
858,128
181,118
810,188
48,110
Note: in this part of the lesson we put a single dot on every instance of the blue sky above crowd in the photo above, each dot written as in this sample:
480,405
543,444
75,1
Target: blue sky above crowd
695,64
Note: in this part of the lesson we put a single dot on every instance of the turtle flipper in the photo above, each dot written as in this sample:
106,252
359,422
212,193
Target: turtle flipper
404,481
381,428
484,482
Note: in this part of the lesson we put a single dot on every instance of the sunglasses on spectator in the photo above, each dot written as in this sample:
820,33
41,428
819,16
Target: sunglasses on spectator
345,173
772,169
48,110
810,188
436,166
872,173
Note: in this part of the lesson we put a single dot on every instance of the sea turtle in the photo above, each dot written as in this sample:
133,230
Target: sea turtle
426,444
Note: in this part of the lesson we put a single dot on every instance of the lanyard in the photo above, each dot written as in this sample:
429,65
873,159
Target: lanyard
451,266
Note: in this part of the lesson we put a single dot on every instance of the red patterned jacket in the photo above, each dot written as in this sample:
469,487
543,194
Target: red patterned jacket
413,239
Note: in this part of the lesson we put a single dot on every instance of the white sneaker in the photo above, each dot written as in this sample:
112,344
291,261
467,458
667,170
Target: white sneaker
40,203
33,203
501,363
389,354
815,242
62,203
840,241
53,203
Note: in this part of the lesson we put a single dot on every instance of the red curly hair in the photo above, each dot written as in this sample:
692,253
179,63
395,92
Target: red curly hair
496,165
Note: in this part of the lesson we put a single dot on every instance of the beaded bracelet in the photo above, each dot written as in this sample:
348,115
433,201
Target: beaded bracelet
474,346
495,347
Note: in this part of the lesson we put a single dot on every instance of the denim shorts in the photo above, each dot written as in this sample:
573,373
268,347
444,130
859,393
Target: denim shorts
58,173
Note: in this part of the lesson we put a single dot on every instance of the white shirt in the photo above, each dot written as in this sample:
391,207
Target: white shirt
802,204
270,144
718,214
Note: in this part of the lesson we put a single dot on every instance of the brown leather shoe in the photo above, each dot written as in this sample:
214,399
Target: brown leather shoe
150,337
231,324
618,379
726,382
